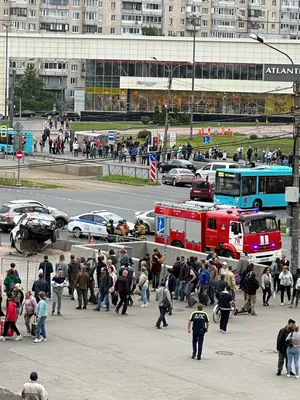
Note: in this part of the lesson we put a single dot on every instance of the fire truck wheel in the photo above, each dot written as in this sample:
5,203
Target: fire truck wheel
177,244
257,204
228,254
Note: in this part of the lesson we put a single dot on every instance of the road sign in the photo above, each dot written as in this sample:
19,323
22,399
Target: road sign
111,137
161,225
152,168
153,157
18,127
19,155
206,139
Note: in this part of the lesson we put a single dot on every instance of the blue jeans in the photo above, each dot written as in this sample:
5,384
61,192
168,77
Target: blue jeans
40,328
293,354
144,294
177,288
105,298
198,338
182,290
211,292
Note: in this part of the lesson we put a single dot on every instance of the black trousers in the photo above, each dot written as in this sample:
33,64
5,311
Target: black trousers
11,324
266,294
123,301
224,319
198,338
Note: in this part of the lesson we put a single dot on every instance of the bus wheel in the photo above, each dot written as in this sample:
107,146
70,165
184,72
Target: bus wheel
257,204
177,244
228,254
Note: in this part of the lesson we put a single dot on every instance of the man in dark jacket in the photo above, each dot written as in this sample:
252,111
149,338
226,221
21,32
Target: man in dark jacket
130,278
122,289
251,286
281,345
40,286
156,262
104,284
176,273
170,284
184,273
73,269
47,268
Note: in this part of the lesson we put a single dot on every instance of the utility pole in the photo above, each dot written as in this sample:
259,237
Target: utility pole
12,99
165,144
6,73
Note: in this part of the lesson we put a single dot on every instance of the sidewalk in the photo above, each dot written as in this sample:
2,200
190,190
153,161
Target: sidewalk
4,395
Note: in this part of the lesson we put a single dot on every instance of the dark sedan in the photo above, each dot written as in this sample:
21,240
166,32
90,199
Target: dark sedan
26,113
165,167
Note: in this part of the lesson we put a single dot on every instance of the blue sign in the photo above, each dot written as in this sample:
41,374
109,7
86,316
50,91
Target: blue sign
54,107
160,225
206,139
153,157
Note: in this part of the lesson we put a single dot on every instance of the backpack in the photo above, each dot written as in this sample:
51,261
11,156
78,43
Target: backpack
297,286
11,285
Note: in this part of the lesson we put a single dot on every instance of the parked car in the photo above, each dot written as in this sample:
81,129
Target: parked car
202,189
209,170
178,176
71,116
39,226
18,207
50,113
25,113
148,217
165,167
94,222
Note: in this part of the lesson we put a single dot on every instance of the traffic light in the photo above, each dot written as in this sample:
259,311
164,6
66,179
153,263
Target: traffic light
3,131
155,141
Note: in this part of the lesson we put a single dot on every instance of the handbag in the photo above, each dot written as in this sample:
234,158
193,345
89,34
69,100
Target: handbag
33,326
166,303
289,341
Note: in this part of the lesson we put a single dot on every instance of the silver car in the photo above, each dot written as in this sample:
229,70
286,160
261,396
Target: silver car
178,176
148,217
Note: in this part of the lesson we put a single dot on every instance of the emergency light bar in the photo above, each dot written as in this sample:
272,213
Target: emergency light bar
248,210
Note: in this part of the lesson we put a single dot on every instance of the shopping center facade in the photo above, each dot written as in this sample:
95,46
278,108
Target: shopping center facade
118,74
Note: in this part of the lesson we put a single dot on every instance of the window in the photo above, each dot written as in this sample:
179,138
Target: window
170,8
18,25
248,185
59,80
241,24
76,15
100,17
274,3
274,184
90,3
73,81
99,219
204,34
72,92
272,26
31,27
6,12
31,65
204,22
21,12
113,5
32,1
74,67
182,22
87,217
112,30
76,3
75,29
100,29
182,10
31,13
170,21
212,224
260,225
273,14
204,11
89,16
100,4
113,18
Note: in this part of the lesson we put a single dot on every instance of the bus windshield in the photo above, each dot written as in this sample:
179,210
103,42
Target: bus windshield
260,225
228,183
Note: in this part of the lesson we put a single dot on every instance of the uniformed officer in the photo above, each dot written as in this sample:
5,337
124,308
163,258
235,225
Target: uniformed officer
140,230
119,230
200,322
110,227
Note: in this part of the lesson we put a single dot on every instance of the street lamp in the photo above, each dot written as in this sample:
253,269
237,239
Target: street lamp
196,21
170,72
63,63
296,136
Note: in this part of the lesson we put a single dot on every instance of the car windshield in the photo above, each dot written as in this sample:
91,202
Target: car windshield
4,209
202,185
228,184
184,171
184,162
260,225
112,216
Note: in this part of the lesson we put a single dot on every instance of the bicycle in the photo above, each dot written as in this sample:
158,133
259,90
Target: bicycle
217,312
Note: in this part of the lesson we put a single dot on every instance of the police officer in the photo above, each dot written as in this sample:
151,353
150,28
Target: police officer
125,227
200,322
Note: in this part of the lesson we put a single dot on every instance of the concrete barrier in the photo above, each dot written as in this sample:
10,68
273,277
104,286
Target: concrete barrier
67,169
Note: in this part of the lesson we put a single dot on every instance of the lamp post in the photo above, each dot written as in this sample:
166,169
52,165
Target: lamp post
296,136
170,72
196,21
62,86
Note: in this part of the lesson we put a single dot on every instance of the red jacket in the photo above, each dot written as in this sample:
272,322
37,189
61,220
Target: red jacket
11,312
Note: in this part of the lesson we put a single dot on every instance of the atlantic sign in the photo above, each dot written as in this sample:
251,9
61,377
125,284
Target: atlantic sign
281,72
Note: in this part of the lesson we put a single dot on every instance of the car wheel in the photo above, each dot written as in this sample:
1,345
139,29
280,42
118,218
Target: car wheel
174,183
53,237
161,169
177,244
60,223
12,242
147,229
77,232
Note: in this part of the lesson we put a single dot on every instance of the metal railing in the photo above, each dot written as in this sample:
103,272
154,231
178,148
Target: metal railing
8,177
27,269
129,170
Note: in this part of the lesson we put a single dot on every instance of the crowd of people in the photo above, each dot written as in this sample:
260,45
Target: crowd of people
116,281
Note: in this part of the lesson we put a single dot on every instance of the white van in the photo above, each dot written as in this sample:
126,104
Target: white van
209,170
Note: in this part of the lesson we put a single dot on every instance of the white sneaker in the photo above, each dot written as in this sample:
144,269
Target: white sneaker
37,340
224,331
2,338
18,338
297,376
143,305
288,375
44,340
28,335
282,304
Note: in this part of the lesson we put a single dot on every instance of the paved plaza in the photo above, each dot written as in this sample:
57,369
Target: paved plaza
91,356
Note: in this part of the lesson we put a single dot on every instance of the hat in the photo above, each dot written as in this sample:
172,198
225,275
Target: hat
33,376
18,286
224,263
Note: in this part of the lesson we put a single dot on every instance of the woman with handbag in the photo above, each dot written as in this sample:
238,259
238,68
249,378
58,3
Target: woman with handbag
28,309
266,285
293,351
286,283
10,319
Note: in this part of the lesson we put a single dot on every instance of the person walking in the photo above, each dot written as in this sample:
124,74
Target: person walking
28,309
61,264
225,308
81,283
220,286
251,285
266,285
112,290
143,285
190,278
277,268
10,318
17,296
10,280
213,273
163,298
171,283
242,264
286,283
40,285
156,262
176,273
296,288
58,284
123,291
33,390
104,284
47,268
281,345
42,314
293,351
200,321
73,269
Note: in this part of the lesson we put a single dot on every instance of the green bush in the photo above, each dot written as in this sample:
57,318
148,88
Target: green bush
173,121
253,137
145,120
184,118
143,134
156,116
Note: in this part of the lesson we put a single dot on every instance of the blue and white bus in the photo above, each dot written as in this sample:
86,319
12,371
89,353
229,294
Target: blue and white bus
6,142
253,187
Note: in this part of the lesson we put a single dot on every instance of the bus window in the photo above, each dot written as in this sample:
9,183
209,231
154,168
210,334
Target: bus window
227,184
248,185
274,184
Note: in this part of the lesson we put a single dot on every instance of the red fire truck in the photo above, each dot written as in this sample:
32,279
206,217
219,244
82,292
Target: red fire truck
227,230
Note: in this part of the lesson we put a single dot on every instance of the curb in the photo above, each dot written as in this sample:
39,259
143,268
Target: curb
10,391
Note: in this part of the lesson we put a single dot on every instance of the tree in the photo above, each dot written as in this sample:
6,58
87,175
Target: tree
150,31
156,116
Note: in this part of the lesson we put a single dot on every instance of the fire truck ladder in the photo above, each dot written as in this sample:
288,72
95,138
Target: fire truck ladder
194,205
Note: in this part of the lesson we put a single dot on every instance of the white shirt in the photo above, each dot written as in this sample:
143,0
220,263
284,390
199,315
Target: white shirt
34,391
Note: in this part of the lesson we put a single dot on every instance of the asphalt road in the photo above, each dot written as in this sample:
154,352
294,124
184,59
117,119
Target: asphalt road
122,200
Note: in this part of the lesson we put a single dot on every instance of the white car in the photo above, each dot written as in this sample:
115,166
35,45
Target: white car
94,223
209,170
148,217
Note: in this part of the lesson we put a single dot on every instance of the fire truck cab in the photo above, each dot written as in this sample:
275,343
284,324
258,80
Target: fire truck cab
229,231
